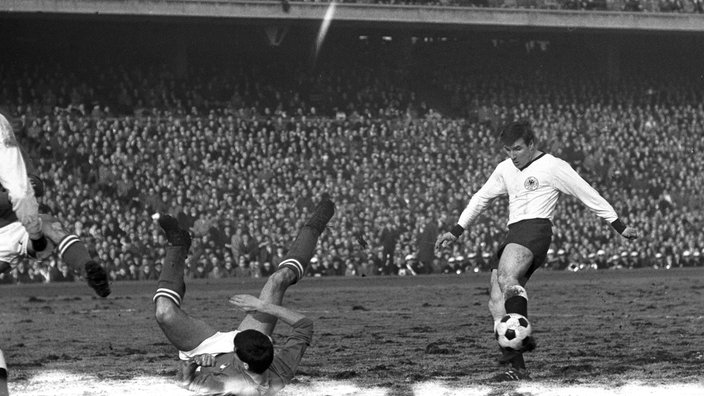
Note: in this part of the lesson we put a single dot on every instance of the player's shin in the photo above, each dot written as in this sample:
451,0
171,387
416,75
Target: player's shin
171,284
74,253
516,325
301,251
516,300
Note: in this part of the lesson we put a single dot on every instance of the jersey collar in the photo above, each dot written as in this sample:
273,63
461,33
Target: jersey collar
533,160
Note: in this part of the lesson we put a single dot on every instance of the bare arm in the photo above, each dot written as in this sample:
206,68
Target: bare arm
250,303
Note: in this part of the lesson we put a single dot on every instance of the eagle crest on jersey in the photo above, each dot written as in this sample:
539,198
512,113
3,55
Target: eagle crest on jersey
531,183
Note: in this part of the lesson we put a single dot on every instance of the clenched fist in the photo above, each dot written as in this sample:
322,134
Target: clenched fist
444,240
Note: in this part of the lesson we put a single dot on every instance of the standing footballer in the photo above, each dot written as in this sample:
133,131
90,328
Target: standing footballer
26,232
533,181
14,179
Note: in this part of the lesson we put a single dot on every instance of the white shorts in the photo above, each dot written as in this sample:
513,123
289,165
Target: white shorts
216,344
13,242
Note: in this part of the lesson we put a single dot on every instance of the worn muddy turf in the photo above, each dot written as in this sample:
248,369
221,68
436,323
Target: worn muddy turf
607,330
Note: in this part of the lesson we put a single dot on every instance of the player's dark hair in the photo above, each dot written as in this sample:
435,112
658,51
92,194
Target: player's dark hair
254,348
515,130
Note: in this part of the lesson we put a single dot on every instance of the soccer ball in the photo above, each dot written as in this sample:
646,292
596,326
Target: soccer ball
512,331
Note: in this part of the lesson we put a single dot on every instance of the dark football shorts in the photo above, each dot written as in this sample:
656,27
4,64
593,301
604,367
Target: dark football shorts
535,234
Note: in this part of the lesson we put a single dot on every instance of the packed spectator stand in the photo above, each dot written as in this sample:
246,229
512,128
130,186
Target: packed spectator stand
676,6
240,155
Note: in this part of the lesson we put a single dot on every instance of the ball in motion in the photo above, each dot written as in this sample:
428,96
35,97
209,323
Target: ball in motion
512,332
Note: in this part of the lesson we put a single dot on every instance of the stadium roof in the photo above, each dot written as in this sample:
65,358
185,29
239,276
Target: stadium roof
392,16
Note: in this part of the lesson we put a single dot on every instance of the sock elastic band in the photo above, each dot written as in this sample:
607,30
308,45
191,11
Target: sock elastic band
294,265
168,293
66,243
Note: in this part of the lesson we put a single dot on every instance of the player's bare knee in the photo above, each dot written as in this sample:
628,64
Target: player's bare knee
53,229
284,276
506,280
165,310
515,290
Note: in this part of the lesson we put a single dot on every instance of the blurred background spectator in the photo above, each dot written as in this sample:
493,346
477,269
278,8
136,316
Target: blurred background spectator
240,153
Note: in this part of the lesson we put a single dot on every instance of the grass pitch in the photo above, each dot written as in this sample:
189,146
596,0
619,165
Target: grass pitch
599,333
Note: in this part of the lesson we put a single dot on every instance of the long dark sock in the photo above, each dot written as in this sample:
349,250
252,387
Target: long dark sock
3,382
170,283
74,252
5,204
517,304
301,251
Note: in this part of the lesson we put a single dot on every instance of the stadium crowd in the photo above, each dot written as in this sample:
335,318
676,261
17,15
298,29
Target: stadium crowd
674,6
240,154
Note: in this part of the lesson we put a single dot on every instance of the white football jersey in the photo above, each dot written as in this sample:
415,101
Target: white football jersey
13,176
533,191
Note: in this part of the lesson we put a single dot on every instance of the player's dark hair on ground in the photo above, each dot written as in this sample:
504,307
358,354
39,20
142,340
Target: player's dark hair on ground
254,348
515,130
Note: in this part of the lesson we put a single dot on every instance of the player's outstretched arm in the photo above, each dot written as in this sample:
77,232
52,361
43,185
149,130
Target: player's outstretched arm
494,187
250,303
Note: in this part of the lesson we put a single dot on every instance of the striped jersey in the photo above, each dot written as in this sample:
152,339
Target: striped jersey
533,191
